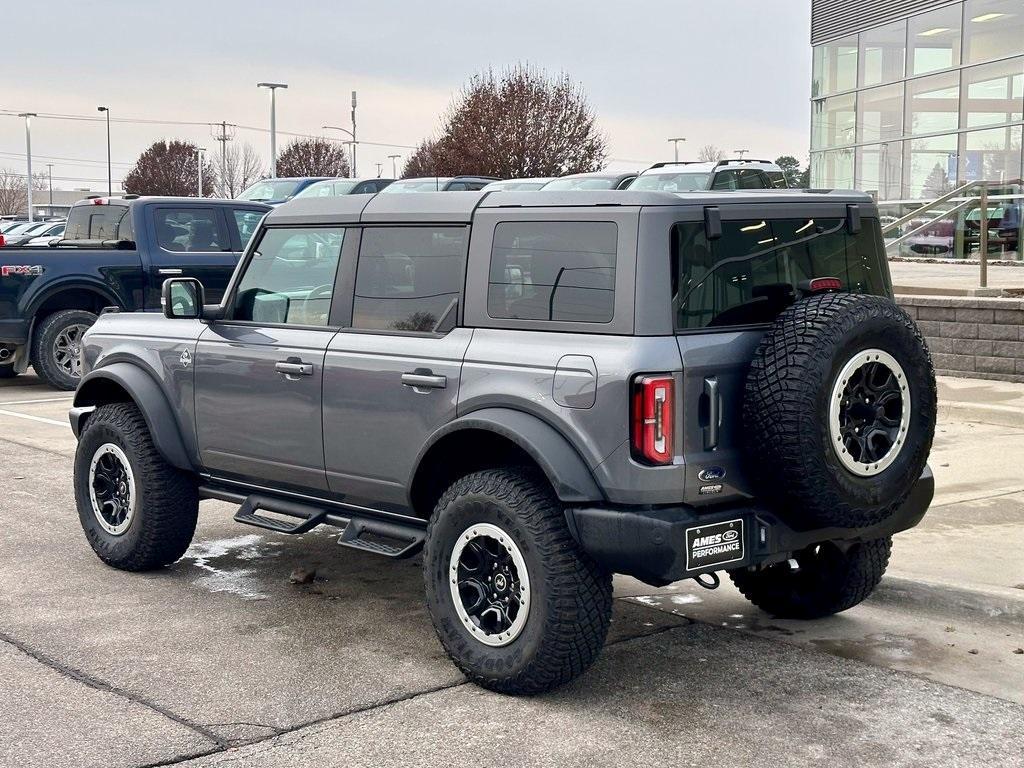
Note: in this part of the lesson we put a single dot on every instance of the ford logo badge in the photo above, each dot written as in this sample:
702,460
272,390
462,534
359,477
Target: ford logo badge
709,474
730,535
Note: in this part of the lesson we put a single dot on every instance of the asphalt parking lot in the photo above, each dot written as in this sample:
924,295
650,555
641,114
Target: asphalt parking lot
222,660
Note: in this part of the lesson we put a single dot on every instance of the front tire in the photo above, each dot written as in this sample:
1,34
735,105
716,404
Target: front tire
518,607
138,512
56,345
828,579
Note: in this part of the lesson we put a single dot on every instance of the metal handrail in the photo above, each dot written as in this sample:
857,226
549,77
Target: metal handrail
944,214
930,206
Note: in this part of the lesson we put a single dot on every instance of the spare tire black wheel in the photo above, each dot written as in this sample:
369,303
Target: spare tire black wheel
839,410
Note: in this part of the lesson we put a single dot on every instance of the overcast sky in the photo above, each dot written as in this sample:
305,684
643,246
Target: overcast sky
734,73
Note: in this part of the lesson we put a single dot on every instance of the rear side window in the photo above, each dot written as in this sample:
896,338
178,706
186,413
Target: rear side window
553,270
409,278
98,222
777,179
190,229
753,271
247,221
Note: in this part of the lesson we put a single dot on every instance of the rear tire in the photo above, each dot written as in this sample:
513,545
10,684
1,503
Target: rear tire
55,346
492,524
829,580
138,512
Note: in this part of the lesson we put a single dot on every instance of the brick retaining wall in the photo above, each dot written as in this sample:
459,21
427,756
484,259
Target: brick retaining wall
973,337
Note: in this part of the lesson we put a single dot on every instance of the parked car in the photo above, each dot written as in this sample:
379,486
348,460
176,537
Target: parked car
8,225
338,187
596,180
41,234
937,239
439,184
18,227
690,176
538,390
116,252
516,185
279,190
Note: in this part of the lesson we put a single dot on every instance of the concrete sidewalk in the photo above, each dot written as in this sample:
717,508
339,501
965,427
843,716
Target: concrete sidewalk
951,278
981,401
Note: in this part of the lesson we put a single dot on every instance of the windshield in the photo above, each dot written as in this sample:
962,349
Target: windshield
327,189
415,185
19,229
582,182
270,189
671,182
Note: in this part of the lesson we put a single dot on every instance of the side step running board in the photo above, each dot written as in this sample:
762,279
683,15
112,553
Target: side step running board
381,537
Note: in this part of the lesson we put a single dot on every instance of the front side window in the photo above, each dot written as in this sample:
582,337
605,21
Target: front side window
553,270
290,277
409,278
754,270
190,230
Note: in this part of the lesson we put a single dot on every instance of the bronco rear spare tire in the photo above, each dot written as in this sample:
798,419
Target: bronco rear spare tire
839,410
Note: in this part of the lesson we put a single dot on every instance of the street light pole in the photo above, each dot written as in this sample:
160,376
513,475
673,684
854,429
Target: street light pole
346,131
675,147
272,87
394,165
110,176
49,174
354,175
199,159
28,155
741,152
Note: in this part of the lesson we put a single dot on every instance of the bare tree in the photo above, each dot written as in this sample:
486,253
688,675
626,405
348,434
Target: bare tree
521,122
13,194
169,168
235,169
709,153
313,157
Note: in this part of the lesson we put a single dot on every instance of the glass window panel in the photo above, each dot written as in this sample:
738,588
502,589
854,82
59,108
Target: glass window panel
832,170
994,30
834,121
933,104
992,155
880,113
930,167
934,40
834,67
993,94
879,168
882,52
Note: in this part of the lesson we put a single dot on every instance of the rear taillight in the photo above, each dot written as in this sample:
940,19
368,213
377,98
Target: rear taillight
653,418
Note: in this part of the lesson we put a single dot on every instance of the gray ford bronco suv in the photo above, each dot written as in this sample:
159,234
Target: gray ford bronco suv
538,390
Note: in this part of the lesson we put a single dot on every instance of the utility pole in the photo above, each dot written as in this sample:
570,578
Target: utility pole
675,146
379,167
28,155
110,176
394,165
49,173
272,87
352,165
224,138
354,175
199,159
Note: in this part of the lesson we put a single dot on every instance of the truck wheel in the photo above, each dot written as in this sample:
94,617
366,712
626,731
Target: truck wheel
55,347
839,411
827,579
516,604
138,512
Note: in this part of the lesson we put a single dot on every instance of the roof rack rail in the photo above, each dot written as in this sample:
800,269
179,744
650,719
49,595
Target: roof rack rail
676,162
738,160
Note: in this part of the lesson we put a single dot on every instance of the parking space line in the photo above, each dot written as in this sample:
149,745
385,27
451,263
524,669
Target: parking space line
40,400
40,419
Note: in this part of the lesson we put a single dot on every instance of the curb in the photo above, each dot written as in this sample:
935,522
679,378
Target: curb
986,602
999,415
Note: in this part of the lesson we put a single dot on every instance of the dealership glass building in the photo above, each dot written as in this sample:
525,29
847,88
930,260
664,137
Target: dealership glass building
911,98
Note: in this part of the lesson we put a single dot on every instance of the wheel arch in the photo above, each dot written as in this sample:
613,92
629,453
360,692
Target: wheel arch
124,382
491,437
76,294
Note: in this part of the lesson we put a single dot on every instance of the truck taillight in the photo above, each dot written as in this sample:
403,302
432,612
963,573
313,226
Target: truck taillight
653,418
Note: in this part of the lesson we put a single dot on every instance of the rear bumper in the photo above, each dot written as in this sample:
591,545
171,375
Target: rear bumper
662,545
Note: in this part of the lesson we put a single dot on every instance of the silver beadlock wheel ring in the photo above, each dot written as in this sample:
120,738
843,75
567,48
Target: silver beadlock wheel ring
112,489
869,412
489,584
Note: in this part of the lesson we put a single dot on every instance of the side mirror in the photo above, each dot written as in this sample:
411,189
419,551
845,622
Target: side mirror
182,297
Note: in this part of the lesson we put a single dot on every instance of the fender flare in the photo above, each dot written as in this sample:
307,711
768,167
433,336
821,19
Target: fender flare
150,399
71,284
568,473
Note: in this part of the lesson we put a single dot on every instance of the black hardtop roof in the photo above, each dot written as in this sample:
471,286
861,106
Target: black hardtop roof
458,207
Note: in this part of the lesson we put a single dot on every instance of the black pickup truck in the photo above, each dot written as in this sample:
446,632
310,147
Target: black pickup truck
115,252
